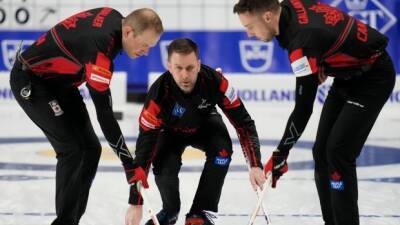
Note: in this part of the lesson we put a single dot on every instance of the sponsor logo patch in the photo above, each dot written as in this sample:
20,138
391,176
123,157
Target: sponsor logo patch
223,158
221,161
231,93
204,104
301,67
56,108
336,181
178,110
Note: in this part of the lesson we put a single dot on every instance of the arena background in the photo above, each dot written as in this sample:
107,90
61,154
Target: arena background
262,77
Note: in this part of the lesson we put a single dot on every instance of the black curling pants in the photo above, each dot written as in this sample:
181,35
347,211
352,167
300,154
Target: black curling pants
350,110
61,114
214,140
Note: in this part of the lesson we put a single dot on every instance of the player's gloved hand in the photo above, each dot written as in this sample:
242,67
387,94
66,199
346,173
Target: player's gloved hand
277,165
135,173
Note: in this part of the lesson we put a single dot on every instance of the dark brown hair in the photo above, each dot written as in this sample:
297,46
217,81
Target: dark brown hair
255,6
183,46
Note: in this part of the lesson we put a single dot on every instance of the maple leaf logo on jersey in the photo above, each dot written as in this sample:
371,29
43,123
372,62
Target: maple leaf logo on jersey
336,181
332,15
336,176
223,159
223,153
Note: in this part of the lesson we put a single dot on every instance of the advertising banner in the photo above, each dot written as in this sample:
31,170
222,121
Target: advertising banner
231,50
271,90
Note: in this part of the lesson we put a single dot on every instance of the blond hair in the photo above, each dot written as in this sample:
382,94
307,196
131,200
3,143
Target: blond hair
144,19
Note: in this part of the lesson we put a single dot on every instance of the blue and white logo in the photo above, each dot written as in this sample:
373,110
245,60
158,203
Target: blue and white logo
356,4
256,56
9,50
221,161
337,185
178,110
322,92
301,67
371,12
395,97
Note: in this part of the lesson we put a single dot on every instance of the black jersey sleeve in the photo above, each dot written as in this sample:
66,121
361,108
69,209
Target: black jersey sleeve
146,146
150,124
149,127
304,54
306,89
98,75
109,125
233,108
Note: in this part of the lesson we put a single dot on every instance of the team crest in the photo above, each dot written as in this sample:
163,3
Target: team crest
371,12
223,158
336,181
9,49
56,108
256,56
178,110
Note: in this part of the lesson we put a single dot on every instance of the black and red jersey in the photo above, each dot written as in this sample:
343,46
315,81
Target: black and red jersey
322,41
167,107
79,49
321,38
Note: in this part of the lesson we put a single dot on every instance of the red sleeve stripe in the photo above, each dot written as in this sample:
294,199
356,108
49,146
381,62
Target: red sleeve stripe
56,65
103,61
231,100
245,142
148,119
343,60
296,54
230,105
224,84
313,64
249,148
341,39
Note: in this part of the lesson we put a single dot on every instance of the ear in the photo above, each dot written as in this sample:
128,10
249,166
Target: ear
267,16
125,31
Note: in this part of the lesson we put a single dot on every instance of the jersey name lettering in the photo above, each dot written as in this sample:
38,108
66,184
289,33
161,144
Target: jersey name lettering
362,31
301,11
99,19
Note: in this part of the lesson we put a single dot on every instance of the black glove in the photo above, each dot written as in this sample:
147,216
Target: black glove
135,173
277,165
